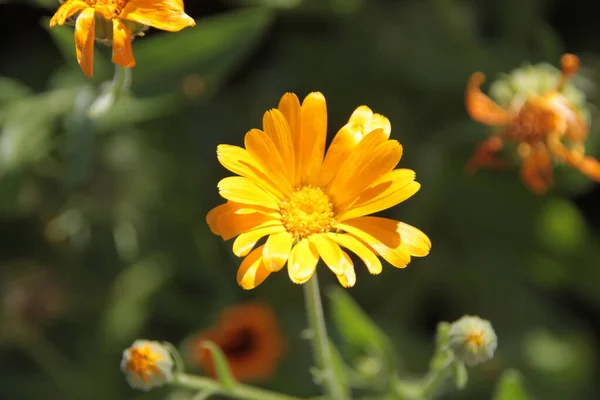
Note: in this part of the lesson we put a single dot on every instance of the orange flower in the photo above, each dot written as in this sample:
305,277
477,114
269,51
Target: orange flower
539,126
117,17
311,203
249,337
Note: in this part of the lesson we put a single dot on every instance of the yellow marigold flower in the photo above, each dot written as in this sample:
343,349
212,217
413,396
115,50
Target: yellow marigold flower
114,19
539,124
147,364
310,203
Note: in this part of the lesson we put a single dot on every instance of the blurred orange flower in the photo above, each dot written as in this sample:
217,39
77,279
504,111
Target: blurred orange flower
310,203
540,125
249,336
116,17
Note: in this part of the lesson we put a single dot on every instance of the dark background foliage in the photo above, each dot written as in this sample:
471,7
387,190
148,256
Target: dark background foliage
102,224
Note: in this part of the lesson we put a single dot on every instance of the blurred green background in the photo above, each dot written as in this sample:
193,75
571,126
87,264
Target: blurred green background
102,221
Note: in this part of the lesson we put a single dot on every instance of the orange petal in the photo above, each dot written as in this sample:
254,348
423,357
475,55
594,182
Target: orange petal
252,271
227,221
167,15
277,250
357,247
85,34
536,169
247,240
381,235
417,243
289,105
310,145
66,11
263,149
393,188
122,51
480,107
243,190
277,128
330,252
240,161
302,262
364,168
339,150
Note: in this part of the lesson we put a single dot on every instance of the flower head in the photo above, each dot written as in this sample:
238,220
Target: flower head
116,22
542,114
310,203
249,336
472,340
147,364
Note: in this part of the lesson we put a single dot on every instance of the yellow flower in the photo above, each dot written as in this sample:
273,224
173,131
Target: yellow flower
310,204
539,125
117,16
147,364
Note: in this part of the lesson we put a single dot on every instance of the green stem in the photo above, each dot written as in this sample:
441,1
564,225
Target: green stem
121,80
239,391
320,341
435,380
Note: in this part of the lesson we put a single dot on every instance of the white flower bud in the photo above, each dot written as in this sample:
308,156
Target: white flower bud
147,364
472,340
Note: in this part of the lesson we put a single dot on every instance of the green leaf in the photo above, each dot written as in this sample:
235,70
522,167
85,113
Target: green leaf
363,342
340,369
221,364
461,375
209,51
510,387
129,307
12,90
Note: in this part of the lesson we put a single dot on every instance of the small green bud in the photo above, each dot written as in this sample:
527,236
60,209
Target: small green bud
472,340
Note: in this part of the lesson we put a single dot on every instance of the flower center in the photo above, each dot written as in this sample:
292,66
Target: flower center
108,8
143,363
307,210
536,119
475,339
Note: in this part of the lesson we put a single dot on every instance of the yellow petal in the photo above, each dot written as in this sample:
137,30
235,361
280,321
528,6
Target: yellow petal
252,271
240,161
414,239
330,252
364,168
122,51
361,116
362,251
262,148
310,146
246,241
348,277
243,190
302,262
277,250
85,34
66,11
381,235
212,218
395,194
277,128
167,15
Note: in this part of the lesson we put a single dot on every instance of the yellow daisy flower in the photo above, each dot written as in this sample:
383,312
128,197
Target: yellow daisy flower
116,17
310,203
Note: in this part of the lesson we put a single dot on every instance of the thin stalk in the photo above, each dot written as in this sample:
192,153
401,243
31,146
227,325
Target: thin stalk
435,380
320,341
238,391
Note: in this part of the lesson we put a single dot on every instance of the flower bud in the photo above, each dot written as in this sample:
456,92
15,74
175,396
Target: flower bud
147,364
472,340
